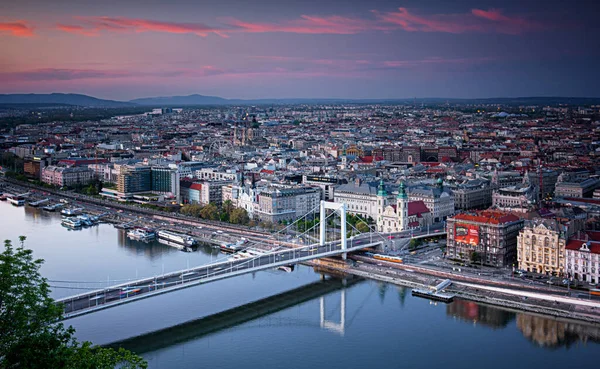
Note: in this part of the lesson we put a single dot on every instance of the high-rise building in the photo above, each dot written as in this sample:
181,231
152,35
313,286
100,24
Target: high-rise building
134,178
166,180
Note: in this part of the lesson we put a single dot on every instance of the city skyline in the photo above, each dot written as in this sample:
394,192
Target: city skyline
379,50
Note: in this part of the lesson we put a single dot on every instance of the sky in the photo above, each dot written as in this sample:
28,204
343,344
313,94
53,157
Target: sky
126,49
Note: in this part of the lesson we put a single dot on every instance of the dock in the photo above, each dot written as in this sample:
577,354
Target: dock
434,293
35,204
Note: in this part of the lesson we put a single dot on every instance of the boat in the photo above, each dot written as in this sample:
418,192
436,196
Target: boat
69,212
392,259
36,204
17,200
286,268
176,245
230,247
595,291
87,220
141,234
179,238
53,207
72,223
436,296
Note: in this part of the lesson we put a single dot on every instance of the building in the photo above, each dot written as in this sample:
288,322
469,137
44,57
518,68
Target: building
277,204
515,198
584,188
165,180
489,237
210,174
245,197
402,215
360,198
583,258
438,199
327,184
33,166
67,176
541,246
134,178
474,194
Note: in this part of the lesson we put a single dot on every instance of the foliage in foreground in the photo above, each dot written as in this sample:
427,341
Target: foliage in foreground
32,335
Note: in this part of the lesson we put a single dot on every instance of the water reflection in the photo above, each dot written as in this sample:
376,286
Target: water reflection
543,330
482,314
234,317
554,333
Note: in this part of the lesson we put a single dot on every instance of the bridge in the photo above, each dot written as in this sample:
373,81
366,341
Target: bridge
289,254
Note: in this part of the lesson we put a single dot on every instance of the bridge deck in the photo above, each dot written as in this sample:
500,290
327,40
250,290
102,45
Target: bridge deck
143,288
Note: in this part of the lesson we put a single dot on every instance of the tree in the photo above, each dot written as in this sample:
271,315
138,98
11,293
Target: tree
239,216
228,207
210,212
475,257
32,335
362,227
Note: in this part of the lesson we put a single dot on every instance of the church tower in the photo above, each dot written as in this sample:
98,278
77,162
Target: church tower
344,160
402,207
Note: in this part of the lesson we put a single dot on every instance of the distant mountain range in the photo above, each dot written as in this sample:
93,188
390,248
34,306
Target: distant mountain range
60,99
190,100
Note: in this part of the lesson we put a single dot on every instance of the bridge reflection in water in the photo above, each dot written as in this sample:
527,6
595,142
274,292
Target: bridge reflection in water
233,317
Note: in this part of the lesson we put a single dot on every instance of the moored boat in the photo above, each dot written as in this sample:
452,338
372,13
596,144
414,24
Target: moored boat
17,200
141,234
179,238
69,212
72,223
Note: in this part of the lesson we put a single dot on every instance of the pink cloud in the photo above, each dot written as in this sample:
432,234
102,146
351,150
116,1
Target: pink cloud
18,28
119,24
78,30
482,21
307,24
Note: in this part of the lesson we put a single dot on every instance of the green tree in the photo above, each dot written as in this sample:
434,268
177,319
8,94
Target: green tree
210,212
32,335
475,257
228,207
239,216
362,227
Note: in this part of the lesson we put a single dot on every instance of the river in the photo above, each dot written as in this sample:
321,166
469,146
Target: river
317,324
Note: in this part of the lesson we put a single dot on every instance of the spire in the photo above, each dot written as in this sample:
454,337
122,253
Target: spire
440,182
381,189
402,191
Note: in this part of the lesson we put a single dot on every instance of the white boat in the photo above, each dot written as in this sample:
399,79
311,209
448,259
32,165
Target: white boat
71,223
286,268
179,238
176,245
69,212
16,200
141,234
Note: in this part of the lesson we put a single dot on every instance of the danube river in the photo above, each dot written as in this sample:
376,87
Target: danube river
291,320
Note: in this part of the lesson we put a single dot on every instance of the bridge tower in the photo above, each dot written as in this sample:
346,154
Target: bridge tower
341,210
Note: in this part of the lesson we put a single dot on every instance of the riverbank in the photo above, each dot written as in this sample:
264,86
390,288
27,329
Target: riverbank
574,309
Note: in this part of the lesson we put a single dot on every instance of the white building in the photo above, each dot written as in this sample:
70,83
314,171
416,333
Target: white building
67,176
360,198
439,200
583,260
210,174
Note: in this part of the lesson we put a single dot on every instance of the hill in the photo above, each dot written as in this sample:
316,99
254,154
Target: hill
58,98
182,100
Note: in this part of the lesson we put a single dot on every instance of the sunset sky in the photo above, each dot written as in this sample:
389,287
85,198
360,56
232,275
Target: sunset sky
268,49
